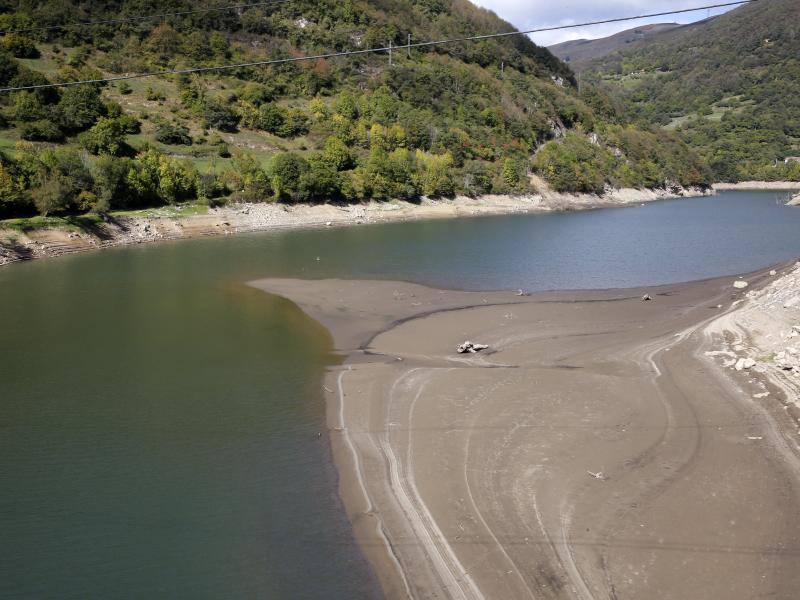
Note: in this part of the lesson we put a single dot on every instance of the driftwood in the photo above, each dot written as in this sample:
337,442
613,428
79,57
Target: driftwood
469,347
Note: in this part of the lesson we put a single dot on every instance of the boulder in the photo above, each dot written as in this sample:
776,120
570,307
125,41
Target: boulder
739,284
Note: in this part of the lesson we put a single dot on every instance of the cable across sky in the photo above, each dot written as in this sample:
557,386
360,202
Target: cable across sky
384,49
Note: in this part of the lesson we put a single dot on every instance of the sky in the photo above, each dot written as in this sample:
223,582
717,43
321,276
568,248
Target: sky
533,14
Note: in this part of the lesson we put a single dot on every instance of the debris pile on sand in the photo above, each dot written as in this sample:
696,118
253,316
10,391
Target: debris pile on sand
470,348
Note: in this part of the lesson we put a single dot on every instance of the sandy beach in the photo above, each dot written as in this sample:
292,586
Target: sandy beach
602,446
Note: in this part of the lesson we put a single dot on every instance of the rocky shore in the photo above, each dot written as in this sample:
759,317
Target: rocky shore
18,245
760,339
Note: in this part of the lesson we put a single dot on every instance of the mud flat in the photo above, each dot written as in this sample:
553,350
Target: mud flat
594,450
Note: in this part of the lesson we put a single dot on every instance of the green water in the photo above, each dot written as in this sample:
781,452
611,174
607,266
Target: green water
159,418
158,437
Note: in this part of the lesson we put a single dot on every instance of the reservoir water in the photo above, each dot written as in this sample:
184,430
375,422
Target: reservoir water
159,418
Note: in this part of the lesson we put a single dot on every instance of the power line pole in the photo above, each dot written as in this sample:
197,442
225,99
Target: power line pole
408,46
390,53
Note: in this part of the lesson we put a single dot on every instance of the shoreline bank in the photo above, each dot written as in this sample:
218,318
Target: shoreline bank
758,185
127,230
526,470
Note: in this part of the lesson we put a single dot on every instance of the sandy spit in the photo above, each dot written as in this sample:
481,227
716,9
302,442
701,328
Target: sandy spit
599,448
117,231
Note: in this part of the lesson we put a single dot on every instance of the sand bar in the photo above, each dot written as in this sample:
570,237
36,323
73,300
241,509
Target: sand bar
593,451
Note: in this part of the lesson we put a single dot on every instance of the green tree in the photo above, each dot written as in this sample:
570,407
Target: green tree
80,107
13,200
19,46
107,136
510,173
337,154
285,171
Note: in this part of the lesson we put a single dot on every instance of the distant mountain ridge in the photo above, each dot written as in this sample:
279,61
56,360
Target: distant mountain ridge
578,53
730,87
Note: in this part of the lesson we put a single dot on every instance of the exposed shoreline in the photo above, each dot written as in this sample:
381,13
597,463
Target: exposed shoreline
125,230
527,471
759,185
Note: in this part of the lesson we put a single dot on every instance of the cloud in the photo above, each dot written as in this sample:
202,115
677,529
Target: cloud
535,14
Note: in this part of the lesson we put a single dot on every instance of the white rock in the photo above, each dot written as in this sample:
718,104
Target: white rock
773,272
739,284
744,363
791,302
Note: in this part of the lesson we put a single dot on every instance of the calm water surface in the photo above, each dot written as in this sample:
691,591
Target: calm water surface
159,419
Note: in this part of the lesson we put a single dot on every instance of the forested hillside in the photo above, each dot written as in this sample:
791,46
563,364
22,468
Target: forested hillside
730,87
578,53
469,117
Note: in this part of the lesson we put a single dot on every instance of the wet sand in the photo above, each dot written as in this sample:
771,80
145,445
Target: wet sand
593,451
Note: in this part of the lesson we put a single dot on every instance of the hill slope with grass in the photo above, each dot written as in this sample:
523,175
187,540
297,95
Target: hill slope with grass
729,86
463,118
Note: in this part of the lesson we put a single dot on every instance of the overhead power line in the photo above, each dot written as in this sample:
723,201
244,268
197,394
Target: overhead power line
327,55
119,21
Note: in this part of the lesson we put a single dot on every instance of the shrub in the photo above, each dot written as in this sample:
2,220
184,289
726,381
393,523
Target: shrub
219,116
152,95
173,134
8,68
29,107
250,181
19,46
41,131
